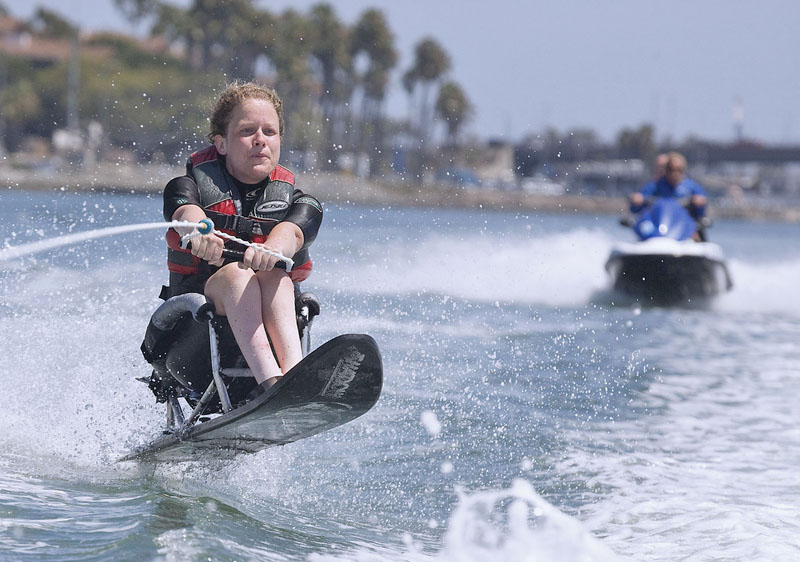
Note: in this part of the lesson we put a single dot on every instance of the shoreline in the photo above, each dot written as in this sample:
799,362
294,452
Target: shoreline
347,189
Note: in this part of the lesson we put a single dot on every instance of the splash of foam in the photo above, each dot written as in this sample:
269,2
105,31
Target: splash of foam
517,524
511,525
561,269
763,287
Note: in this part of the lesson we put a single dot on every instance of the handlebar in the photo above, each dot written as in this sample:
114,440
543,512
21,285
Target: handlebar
206,226
238,256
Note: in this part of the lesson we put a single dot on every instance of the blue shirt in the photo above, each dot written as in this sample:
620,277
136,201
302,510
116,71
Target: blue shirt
662,188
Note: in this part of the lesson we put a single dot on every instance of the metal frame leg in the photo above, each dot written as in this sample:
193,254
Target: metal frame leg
223,392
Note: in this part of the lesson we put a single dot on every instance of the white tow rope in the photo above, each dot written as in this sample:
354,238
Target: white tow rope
205,226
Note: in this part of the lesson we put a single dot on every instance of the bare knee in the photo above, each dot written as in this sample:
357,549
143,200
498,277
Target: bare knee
229,282
273,281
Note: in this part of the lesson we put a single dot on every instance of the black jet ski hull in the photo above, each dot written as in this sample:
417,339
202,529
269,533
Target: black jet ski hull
669,277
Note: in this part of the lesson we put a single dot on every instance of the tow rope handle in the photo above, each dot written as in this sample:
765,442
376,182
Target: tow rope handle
206,226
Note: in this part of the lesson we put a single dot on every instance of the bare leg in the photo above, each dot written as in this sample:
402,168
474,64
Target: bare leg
237,294
277,293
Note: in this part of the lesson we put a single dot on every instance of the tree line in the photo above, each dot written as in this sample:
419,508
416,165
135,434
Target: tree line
333,76
153,96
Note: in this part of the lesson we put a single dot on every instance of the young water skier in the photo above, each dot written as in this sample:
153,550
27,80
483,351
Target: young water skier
238,184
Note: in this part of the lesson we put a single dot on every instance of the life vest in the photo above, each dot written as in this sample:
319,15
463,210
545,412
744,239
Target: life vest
222,203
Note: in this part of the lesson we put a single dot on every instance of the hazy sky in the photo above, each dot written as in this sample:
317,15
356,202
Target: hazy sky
606,65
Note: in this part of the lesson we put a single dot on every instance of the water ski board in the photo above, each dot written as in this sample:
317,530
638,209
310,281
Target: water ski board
334,384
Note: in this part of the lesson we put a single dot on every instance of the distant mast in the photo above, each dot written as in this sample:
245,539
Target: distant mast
738,119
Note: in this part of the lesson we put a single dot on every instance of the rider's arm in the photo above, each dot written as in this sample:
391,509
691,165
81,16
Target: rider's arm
638,199
187,213
636,202
285,238
306,214
696,188
698,199
178,192
182,203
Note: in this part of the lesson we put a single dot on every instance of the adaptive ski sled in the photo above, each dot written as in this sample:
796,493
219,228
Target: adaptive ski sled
666,266
196,361
230,413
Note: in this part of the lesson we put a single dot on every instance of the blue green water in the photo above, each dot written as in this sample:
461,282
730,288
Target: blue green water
525,416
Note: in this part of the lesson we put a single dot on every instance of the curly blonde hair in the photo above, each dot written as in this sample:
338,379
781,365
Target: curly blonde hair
234,95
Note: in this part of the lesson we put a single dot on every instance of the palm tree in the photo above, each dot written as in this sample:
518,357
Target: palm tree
431,62
290,54
137,10
226,36
454,108
49,23
372,37
329,48
249,33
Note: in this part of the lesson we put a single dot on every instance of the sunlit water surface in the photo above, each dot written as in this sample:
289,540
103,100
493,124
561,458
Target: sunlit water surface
527,413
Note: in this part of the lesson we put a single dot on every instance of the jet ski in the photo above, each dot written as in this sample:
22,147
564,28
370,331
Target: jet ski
667,265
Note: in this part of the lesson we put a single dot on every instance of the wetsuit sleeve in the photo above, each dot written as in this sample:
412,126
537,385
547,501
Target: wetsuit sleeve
180,191
306,213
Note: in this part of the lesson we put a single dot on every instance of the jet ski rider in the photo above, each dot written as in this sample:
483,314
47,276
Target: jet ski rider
675,184
240,186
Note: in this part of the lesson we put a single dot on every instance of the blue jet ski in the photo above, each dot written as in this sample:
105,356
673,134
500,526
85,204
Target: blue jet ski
666,266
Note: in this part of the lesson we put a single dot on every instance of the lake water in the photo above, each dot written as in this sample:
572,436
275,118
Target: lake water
525,415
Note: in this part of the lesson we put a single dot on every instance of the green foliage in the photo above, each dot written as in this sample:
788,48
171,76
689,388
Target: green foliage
158,102
372,36
453,107
431,61
51,24
130,53
20,101
637,143
155,109
148,103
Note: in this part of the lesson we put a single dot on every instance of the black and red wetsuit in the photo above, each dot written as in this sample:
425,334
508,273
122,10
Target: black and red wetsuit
248,211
